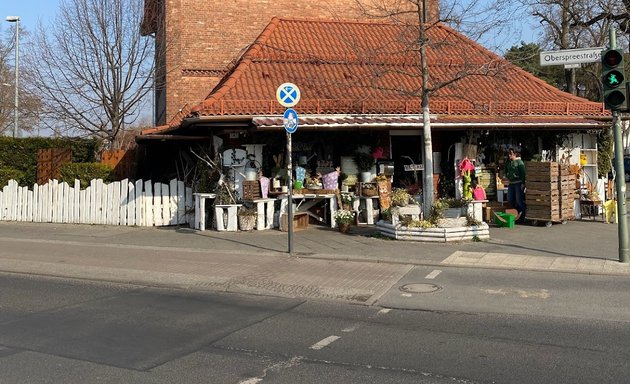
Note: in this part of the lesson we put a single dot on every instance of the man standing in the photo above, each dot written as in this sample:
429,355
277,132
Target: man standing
515,174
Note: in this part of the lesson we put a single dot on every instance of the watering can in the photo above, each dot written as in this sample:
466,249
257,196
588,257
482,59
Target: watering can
251,168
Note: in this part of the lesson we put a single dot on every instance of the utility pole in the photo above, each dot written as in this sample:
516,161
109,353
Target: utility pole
427,149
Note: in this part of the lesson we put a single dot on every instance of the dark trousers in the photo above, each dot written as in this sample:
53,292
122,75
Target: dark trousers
516,198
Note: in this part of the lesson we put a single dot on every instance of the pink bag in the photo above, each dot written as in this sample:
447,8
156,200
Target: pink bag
264,187
479,193
330,180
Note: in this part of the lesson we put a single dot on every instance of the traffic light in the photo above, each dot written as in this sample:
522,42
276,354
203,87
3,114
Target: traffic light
613,79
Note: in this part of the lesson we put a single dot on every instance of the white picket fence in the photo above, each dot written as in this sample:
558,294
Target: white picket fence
142,203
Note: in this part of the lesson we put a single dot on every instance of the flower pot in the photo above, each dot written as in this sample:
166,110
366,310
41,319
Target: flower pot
343,228
246,223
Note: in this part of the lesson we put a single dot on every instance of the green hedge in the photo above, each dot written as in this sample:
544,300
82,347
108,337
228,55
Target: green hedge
21,153
8,173
85,172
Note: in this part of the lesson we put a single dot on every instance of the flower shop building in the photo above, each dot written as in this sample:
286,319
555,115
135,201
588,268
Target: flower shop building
361,88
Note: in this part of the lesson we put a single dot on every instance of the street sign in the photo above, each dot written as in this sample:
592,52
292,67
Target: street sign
288,95
571,56
413,167
290,120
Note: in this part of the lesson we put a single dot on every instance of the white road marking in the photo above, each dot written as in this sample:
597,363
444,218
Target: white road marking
433,274
351,328
525,294
383,311
292,362
323,343
253,380
406,294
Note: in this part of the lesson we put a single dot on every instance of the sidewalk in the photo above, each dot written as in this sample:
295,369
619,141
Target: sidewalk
326,264
591,240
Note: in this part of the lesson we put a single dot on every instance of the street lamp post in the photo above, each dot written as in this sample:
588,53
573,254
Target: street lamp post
16,20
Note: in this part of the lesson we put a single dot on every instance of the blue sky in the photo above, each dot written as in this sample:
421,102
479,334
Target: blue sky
30,11
33,11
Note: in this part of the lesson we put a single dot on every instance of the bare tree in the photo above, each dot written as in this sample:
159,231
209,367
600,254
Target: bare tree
571,24
472,17
92,67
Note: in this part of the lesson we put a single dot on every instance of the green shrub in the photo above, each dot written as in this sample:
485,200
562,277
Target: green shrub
8,173
21,153
85,172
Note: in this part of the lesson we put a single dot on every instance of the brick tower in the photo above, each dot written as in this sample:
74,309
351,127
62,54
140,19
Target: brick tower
197,40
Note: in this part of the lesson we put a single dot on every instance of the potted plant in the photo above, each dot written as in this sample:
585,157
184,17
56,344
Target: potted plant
344,219
247,218
364,162
346,200
400,197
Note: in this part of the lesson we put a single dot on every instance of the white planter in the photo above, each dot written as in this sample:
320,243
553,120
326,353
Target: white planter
453,213
439,235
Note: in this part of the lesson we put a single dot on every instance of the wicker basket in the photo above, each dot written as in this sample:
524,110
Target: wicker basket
369,192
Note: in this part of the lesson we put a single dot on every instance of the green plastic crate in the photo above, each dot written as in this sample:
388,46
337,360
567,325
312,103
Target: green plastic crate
505,220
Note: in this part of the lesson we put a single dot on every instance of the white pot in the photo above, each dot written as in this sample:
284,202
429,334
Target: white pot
366,177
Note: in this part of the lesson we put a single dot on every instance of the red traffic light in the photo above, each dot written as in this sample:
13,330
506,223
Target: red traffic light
612,58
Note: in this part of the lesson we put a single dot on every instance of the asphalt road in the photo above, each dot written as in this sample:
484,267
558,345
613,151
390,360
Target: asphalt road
76,331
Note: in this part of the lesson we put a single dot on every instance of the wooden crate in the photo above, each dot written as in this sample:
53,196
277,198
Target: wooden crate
300,221
251,189
550,191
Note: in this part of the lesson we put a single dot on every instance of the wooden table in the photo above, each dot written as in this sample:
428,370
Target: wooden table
305,201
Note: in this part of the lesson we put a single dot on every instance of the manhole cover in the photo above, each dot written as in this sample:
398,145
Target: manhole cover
420,288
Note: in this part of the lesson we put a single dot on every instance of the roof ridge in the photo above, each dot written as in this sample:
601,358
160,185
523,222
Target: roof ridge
262,38
335,21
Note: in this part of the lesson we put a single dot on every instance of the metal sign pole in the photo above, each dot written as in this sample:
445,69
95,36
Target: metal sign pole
290,193
288,95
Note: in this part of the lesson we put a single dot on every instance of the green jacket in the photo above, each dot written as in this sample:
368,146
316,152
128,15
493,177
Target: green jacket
515,171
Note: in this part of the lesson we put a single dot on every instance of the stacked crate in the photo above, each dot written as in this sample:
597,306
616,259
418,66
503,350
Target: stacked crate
550,191
251,190
568,192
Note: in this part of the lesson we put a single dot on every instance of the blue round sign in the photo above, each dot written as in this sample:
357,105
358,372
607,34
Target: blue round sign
288,95
290,120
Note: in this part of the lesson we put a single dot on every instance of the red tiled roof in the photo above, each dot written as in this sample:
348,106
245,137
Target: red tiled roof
374,68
